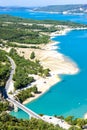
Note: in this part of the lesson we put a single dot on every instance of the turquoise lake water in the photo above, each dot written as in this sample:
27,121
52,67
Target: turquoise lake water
68,97
42,15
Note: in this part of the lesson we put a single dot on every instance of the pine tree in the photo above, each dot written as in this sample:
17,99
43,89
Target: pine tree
32,56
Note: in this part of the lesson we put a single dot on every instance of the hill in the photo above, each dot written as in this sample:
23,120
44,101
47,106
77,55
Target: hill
63,9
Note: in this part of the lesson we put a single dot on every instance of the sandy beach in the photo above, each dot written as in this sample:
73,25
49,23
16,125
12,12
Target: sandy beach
55,61
43,85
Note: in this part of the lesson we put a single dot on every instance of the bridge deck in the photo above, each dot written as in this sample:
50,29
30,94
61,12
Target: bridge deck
24,108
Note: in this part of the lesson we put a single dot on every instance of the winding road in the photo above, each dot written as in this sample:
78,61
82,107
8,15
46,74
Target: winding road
13,67
11,99
31,113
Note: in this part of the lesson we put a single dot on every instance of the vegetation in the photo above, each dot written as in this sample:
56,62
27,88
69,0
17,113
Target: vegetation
4,68
61,8
30,23
77,123
13,34
8,122
27,31
22,33
24,94
4,106
24,68
32,56
9,44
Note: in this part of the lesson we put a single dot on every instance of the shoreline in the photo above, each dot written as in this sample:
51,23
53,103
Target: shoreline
67,66
54,12
47,83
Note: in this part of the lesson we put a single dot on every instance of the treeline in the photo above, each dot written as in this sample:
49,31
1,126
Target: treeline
9,18
24,68
4,106
61,8
24,94
8,122
27,31
12,33
76,123
38,27
66,23
11,44
32,26
4,68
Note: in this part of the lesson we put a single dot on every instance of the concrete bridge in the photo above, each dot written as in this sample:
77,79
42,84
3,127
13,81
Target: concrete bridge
24,108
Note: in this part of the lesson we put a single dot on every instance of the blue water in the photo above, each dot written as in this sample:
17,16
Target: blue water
69,96
42,15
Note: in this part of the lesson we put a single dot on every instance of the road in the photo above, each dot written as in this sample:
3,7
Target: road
13,67
24,108
13,101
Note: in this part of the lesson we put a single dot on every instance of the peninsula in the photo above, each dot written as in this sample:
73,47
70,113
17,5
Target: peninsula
29,43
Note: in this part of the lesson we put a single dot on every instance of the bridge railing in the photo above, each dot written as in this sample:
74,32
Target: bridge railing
24,108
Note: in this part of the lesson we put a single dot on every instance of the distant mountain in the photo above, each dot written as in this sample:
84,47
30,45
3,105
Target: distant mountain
65,9
15,8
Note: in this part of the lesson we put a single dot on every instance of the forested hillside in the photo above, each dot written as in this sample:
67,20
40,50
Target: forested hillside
4,68
78,8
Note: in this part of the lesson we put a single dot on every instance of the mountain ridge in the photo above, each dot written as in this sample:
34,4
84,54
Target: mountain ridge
65,9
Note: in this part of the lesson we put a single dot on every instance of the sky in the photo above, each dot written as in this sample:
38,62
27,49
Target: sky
29,3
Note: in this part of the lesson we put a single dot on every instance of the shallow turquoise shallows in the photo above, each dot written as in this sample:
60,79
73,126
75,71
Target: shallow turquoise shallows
68,97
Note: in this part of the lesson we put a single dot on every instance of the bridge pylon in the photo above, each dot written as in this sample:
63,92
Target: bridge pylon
15,108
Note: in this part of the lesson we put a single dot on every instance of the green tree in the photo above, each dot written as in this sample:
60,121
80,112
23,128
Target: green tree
32,56
46,72
69,119
80,122
34,89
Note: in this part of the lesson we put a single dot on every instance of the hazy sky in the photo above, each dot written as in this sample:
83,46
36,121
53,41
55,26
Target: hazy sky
39,2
